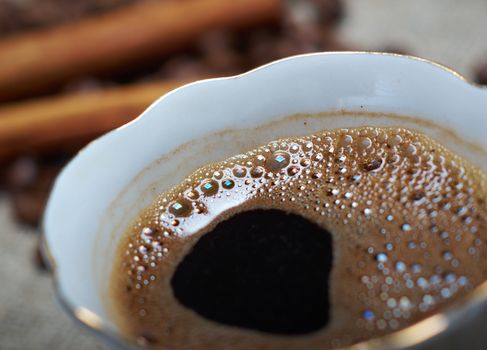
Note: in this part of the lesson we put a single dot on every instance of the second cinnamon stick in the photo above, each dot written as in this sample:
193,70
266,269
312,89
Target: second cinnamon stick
73,119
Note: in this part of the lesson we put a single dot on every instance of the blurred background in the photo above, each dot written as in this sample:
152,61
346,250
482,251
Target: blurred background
73,70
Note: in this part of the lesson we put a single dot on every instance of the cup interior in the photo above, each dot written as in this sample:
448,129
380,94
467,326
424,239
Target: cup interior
104,188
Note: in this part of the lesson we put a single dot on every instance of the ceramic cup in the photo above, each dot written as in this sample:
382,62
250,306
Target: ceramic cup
107,184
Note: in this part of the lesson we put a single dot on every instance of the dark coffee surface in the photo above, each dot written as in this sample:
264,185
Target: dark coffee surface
262,269
237,256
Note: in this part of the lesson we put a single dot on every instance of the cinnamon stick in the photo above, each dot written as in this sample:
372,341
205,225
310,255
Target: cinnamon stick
32,62
67,120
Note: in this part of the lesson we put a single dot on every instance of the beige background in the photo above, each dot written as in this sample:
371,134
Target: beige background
449,31
452,32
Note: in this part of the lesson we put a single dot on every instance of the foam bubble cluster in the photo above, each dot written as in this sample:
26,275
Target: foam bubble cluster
408,220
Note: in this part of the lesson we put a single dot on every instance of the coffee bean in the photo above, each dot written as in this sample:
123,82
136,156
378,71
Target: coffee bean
330,11
28,207
222,62
217,50
28,183
261,47
182,67
394,48
306,36
286,47
216,40
481,74
85,85
39,260
22,174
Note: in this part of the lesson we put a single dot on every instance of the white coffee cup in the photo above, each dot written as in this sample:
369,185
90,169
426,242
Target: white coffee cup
107,184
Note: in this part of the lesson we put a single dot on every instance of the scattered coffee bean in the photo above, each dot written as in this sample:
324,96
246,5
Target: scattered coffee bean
393,48
481,74
22,174
39,260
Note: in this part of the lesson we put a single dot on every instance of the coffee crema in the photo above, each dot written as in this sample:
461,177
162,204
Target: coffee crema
312,242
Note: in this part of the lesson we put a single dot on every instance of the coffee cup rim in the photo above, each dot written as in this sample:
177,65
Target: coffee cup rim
414,334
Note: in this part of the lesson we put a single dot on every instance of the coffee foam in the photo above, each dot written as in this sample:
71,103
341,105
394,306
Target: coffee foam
406,215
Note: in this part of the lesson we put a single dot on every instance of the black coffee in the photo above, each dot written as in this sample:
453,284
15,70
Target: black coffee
262,269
